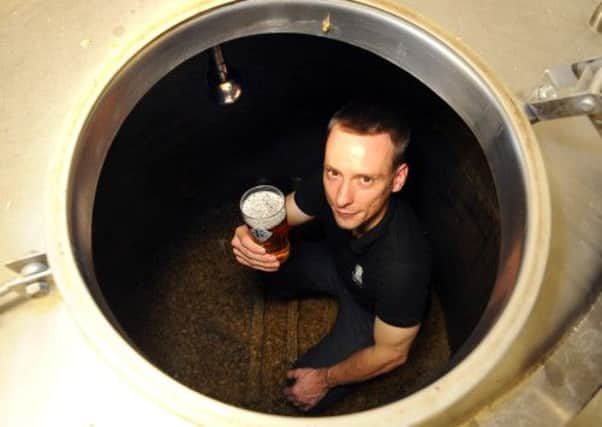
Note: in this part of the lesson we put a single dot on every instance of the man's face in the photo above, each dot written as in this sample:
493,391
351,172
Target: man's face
358,177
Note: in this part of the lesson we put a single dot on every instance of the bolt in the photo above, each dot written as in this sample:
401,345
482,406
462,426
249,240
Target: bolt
545,91
33,268
587,104
37,289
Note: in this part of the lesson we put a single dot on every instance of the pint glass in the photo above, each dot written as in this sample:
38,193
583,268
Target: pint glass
264,211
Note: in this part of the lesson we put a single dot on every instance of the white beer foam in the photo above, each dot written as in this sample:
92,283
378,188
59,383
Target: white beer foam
264,209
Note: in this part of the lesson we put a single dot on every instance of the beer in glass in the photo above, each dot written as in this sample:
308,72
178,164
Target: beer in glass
263,209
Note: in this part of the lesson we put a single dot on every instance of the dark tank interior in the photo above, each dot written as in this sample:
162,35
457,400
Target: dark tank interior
167,204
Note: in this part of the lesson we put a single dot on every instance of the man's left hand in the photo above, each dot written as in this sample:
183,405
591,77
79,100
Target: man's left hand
310,387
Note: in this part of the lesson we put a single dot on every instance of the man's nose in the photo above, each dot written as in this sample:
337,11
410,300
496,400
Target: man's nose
344,194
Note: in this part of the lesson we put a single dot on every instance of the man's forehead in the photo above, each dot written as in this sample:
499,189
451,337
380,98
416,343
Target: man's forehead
368,154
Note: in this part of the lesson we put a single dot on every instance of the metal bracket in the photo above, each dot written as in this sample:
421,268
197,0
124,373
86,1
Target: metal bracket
569,90
34,276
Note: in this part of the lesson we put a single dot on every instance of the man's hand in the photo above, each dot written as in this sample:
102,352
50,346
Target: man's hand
250,253
310,387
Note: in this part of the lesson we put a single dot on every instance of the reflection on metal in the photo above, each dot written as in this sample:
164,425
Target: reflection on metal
33,277
595,22
569,90
225,90
326,24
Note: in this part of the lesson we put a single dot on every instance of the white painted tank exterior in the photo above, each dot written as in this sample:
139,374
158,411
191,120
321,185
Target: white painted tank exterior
57,58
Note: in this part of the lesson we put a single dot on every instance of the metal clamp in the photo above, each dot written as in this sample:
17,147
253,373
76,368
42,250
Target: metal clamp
33,279
569,90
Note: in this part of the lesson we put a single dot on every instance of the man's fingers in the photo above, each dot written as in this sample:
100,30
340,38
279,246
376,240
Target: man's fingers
287,391
290,396
242,239
248,252
271,265
297,401
248,247
248,242
262,260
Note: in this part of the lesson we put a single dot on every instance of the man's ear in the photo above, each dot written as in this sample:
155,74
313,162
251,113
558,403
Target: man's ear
400,176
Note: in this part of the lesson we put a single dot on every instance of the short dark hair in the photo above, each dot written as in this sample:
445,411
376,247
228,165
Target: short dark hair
370,118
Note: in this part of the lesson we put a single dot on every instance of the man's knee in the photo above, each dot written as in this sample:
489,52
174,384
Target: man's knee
278,285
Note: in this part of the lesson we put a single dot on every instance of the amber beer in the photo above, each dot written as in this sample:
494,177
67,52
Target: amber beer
264,211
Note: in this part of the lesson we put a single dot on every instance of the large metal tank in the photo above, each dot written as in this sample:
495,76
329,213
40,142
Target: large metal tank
72,75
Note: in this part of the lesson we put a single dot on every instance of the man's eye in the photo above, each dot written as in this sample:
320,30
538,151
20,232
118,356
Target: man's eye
366,180
332,173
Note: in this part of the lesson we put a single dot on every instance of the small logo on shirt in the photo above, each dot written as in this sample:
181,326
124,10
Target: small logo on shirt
357,275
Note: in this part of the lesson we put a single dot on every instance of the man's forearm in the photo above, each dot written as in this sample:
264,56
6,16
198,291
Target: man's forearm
364,364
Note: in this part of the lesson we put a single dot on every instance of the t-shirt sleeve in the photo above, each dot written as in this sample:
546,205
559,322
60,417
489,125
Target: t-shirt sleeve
402,300
309,196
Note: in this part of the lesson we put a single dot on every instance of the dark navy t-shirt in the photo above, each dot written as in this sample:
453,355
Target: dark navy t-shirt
387,268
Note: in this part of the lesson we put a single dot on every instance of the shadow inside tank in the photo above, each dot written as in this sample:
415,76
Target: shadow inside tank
167,204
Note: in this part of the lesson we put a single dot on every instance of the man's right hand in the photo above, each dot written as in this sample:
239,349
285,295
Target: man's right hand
250,253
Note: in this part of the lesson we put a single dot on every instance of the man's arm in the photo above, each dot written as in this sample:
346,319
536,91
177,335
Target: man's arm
294,215
391,347
250,253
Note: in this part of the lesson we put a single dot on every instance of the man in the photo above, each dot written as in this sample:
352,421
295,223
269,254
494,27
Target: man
374,258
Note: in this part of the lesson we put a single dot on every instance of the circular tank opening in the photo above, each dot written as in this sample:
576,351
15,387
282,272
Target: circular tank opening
167,204
157,171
